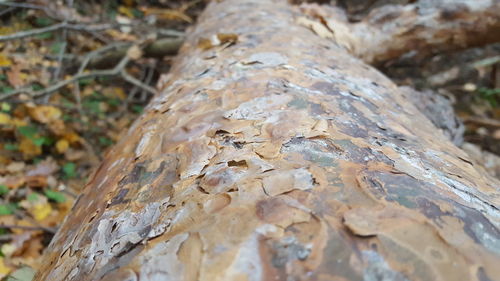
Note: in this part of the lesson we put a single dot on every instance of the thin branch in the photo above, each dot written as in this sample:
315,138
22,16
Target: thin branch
22,5
88,58
129,78
109,72
21,214
170,32
147,80
6,11
25,227
65,25
61,53
7,237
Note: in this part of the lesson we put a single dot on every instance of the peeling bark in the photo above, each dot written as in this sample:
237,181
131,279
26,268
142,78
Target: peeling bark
421,29
279,156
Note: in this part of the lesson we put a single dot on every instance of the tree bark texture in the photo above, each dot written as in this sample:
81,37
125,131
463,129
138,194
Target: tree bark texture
279,156
423,28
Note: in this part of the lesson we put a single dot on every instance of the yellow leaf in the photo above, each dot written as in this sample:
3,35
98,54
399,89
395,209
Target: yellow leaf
126,11
45,113
4,61
29,149
62,145
41,211
5,119
114,92
19,122
4,270
72,137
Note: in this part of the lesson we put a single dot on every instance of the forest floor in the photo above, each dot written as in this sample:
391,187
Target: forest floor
74,75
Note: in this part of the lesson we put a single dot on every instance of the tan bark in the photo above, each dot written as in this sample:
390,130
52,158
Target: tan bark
279,156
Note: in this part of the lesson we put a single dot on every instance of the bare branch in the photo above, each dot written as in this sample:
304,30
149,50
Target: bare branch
99,73
25,227
129,78
65,25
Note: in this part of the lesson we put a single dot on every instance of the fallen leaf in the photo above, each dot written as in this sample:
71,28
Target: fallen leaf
14,182
126,11
15,76
72,137
8,249
15,167
4,60
73,155
6,209
41,211
45,113
29,149
37,181
5,119
62,145
4,269
55,195
57,127
134,52
44,168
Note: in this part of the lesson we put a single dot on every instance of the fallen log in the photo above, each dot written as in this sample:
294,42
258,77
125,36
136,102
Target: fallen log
274,154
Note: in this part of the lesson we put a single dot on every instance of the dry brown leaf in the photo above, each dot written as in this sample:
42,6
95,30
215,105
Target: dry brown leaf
37,181
134,52
15,76
73,155
14,182
16,167
44,168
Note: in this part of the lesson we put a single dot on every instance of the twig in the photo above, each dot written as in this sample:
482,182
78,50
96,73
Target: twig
25,227
78,98
129,78
88,58
149,76
133,92
483,121
65,25
7,237
14,93
60,55
110,72
6,11
22,5
38,226
171,32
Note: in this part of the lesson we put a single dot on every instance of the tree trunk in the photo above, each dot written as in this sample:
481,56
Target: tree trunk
274,154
